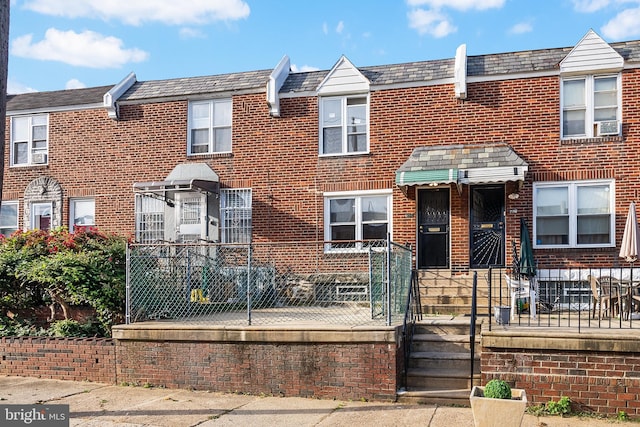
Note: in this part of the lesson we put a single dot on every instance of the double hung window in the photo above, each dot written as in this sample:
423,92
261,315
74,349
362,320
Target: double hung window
574,214
29,140
344,125
209,127
590,106
235,215
357,217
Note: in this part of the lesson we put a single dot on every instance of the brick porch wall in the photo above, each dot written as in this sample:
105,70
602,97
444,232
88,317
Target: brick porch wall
266,361
599,372
71,359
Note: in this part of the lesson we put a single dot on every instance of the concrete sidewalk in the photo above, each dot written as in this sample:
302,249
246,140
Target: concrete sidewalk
103,405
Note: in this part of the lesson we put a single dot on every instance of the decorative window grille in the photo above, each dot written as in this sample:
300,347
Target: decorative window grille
149,219
235,215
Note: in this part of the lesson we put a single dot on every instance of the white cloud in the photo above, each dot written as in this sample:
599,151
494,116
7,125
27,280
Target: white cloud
430,22
325,28
340,27
623,25
74,84
521,28
303,69
136,12
458,4
14,88
589,6
191,33
86,49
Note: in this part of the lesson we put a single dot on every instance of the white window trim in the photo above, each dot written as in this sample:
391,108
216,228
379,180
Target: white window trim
357,195
17,205
343,100
72,207
29,142
211,103
590,124
33,214
572,185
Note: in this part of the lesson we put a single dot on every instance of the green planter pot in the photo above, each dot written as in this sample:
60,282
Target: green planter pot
488,412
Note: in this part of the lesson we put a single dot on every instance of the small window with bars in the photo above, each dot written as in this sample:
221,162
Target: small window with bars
235,215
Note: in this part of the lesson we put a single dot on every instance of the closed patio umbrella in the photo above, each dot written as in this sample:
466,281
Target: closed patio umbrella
630,247
527,264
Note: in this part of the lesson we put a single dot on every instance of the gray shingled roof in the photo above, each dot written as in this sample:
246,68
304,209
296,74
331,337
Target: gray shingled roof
58,98
461,157
405,74
190,86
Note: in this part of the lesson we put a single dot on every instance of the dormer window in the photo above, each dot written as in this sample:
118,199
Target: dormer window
590,106
344,125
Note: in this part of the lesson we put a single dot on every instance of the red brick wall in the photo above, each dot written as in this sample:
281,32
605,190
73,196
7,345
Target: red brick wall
602,382
92,155
72,359
342,371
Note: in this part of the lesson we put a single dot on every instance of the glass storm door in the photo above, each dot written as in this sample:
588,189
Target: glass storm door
41,216
433,228
487,226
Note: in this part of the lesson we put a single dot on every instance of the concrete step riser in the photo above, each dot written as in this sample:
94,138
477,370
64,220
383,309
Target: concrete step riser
443,346
418,400
437,383
462,366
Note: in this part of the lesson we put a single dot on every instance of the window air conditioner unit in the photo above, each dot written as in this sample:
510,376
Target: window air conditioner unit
39,158
609,127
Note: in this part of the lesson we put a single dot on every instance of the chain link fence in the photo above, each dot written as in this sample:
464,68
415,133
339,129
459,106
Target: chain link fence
351,283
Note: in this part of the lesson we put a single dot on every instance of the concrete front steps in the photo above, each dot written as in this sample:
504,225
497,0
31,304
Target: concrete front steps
439,368
445,293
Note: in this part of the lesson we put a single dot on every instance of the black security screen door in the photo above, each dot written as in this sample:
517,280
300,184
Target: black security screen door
487,226
433,228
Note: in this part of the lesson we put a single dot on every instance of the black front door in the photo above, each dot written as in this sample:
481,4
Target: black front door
487,226
433,228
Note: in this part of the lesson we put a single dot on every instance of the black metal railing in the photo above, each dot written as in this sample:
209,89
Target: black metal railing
575,297
413,313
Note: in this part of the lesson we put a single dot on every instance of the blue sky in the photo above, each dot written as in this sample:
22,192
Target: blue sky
58,44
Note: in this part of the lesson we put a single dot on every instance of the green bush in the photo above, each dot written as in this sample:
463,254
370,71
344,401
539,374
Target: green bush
87,267
497,389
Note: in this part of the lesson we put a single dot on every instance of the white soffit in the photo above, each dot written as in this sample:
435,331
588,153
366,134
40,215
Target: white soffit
591,53
344,77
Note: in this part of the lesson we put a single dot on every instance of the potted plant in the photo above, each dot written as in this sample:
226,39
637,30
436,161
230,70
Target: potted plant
497,404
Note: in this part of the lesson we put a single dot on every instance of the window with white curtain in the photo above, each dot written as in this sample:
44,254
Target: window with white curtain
574,214
81,213
29,139
587,101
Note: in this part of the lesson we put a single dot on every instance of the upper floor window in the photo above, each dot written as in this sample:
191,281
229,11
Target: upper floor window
235,215
209,127
363,216
590,106
574,214
8,217
81,213
343,125
29,139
